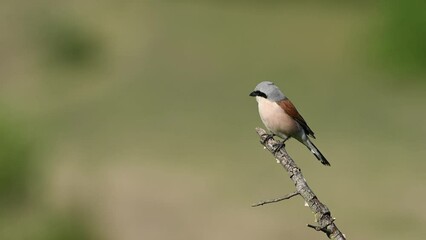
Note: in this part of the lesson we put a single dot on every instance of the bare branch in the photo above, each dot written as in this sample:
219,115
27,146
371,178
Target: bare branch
288,196
316,228
321,212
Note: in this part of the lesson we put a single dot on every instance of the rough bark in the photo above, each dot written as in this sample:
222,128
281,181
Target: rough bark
321,212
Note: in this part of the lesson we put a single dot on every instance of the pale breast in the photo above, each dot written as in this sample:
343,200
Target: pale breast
275,118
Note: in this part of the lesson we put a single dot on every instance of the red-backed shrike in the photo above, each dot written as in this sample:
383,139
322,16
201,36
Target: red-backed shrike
282,119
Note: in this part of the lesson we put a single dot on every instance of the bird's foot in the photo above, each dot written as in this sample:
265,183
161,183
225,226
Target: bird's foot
268,136
278,146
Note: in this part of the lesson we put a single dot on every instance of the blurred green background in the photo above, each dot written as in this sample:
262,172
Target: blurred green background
131,119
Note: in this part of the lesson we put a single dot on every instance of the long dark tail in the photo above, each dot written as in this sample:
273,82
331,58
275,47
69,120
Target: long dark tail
317,152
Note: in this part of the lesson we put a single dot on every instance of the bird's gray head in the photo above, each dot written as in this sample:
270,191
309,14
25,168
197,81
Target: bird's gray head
269,91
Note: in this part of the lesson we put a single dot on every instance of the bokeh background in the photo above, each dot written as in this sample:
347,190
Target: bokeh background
131,119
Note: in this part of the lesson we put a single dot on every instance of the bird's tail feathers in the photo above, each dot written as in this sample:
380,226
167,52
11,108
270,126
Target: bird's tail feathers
317,153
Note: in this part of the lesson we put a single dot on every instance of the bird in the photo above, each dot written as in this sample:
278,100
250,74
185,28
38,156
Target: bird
282,119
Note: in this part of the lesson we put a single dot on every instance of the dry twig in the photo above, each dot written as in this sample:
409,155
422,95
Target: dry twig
321,212
288,196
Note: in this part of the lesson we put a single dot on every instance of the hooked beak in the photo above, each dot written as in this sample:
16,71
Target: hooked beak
257,93
254,94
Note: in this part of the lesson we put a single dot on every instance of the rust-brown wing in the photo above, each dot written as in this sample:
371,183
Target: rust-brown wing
291,110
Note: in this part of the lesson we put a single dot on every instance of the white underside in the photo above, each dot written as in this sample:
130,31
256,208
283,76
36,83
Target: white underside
277,120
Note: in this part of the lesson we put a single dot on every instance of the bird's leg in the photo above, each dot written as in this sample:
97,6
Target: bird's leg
268,136
285,139
280,145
